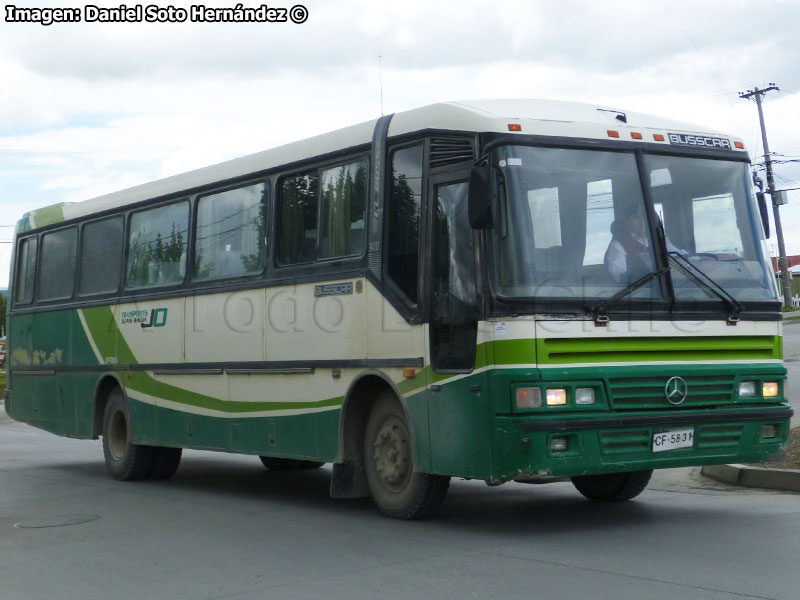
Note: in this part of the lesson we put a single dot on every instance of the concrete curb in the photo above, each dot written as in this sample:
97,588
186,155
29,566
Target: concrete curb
786,480
4,418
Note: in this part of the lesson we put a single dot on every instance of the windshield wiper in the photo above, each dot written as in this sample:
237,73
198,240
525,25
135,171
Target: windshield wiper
708,284
601,312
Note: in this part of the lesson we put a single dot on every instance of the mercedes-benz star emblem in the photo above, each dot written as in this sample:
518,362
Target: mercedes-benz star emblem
676,390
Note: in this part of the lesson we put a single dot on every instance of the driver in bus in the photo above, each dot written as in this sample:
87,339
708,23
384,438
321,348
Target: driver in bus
628,257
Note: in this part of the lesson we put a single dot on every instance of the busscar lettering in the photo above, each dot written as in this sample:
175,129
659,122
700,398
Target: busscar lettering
333,289
43,16
699,140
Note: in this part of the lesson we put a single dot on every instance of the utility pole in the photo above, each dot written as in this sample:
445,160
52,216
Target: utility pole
757,95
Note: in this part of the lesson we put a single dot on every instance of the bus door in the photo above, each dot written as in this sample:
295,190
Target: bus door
459,412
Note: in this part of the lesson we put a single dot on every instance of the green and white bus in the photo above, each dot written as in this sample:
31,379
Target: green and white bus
498,290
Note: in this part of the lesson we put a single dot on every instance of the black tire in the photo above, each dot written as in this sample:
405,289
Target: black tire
125,461
398,490
165,463
311,464
281,464
614,487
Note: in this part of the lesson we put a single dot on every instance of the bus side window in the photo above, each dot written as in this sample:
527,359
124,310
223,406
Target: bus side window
101,256
344,200
231,237
26,269
405,197
298,219
157,245
57,272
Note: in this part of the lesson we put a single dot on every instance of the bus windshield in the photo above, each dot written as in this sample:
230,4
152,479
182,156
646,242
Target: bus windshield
709,217
572,223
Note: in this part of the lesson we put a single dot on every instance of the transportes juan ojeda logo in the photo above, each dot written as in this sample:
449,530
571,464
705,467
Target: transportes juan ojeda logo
149,317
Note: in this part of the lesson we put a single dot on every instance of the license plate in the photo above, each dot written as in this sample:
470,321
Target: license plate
671,439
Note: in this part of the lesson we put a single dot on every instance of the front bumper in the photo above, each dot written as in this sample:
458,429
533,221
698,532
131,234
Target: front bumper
624,442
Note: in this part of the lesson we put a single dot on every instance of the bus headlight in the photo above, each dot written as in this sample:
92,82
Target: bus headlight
769,389
747,389
556,396
584,396
529,397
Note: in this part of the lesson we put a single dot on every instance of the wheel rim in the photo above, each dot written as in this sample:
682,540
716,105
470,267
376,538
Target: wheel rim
118,435
392,456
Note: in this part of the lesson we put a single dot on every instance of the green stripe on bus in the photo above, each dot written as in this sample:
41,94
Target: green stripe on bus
637,349
49,215
110,343
573,351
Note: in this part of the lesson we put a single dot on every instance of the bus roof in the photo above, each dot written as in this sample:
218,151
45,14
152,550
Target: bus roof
533,117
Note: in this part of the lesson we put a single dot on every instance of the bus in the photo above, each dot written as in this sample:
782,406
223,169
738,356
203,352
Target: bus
501,290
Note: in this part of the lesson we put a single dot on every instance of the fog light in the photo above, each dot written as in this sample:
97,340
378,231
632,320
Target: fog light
747,389
556,396
769,389
584,396
559,444
769,431
529,397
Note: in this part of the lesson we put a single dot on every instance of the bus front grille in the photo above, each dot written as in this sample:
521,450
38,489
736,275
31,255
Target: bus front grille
637,393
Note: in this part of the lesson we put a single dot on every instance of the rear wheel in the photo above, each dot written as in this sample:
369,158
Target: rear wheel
614,487
311,464
397,489
125,460
165,463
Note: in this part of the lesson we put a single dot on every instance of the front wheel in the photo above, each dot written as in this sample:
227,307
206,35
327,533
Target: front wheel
125,460
397,489
614,487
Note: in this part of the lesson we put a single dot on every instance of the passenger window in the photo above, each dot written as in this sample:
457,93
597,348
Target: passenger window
322,215
157,246
405,196
26,269
57,272
101,256
231,232
344,200
298,215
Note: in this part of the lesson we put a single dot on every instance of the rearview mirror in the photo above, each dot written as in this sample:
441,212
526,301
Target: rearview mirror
762,208
480,197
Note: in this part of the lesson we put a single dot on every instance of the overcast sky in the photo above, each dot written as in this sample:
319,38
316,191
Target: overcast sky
90,108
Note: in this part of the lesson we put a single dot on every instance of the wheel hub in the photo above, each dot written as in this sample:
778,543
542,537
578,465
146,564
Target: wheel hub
392,457
118,435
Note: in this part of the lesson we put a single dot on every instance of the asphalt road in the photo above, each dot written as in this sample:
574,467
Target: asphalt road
226,528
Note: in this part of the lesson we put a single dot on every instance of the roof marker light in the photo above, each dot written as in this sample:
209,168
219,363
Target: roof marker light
514,127
739,145
612,133
635,135
658,137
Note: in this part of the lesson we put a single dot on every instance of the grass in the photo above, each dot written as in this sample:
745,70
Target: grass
791,460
